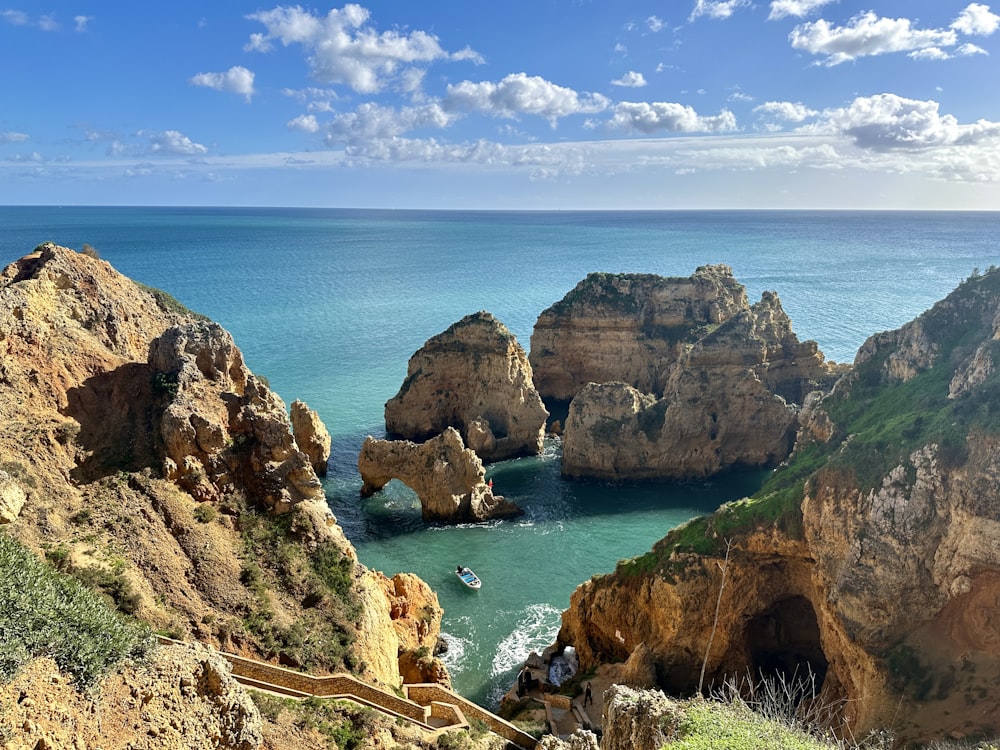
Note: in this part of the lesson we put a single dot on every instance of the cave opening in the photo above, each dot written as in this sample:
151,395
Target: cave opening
783,642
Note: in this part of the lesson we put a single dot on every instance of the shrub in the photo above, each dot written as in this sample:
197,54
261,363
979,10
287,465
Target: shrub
47,613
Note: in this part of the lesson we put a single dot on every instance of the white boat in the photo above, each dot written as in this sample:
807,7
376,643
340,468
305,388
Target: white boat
467,577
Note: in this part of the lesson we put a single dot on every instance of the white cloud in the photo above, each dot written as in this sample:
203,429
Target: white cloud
521,94
866,35
20,18
372,122
343,49
654,117
172,142
788,111
889,122
976,19
798,8
717,8
13,137
970,49
739,96
80,22
236,80
929,53
631,80
304,123
655,24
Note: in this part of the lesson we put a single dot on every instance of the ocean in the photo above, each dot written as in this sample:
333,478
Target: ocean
329,305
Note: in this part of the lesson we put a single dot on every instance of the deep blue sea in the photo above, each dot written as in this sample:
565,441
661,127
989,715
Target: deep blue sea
329,305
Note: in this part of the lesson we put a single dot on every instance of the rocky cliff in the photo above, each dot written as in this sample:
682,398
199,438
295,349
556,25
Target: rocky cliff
474,377
673,378
448,478
869,558
139,453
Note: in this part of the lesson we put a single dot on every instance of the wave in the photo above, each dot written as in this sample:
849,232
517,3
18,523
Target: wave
536,630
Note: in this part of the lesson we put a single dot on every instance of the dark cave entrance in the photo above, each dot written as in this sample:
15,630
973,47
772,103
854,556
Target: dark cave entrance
783,642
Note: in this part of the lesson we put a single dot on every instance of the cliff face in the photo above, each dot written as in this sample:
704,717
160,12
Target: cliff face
683,377
628,328
871,558
476,378
139,451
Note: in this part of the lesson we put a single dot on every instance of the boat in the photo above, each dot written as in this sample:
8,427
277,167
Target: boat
467,577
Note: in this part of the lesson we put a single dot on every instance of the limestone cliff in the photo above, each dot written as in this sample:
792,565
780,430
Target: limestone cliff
686,378
139,453
870,558
628,328
448,478
311,436
474,377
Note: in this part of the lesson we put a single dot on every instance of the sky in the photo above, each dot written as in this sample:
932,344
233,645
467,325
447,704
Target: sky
524,104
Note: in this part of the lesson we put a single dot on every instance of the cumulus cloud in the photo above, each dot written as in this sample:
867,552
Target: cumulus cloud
788,111
344,49
304,123
172,142
889,122
717,8
655,117
372,122
13,137
630,80
976,19
236,80
521,94
866,34
798,8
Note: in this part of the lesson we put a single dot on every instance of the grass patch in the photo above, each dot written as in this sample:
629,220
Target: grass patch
322,581
345,725
47,613
168,303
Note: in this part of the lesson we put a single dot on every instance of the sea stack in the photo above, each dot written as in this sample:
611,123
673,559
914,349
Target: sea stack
476,378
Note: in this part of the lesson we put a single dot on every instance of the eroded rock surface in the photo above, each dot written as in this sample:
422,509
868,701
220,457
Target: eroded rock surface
138,444
873,566
311,436
476,378
448,478
695,380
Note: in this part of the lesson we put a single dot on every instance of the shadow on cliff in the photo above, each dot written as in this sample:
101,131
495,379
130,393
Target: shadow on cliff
117,432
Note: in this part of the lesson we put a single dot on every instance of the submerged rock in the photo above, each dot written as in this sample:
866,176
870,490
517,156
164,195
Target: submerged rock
476,378
448,478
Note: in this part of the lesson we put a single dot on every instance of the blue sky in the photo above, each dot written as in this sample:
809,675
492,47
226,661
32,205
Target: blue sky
548,104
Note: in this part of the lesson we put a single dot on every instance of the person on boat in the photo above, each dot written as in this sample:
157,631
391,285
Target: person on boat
460,569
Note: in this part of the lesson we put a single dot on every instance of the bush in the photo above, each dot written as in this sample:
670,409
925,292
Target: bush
47,613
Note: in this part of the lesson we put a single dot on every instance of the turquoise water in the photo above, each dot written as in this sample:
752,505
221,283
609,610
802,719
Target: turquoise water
330,304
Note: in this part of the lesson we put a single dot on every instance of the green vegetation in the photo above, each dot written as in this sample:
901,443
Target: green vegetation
711,725
346,726
169,304
322,581
47,613
600,290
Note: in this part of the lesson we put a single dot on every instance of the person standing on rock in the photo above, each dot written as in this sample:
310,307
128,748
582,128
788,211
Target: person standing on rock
588,696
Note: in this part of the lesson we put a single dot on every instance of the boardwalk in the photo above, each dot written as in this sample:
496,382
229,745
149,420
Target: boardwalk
430,707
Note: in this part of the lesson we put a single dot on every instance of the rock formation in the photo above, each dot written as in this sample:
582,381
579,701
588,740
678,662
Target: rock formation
311,436
870,559
476,378
139,447
628,328
673,378
182,696
448,478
